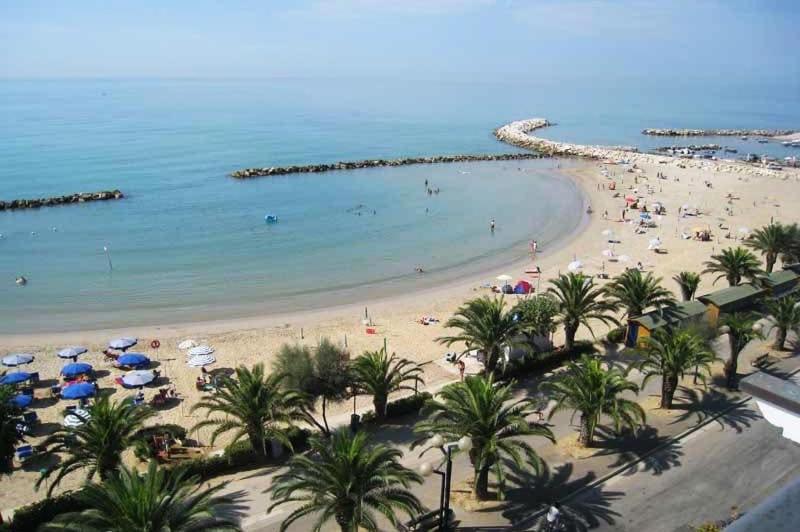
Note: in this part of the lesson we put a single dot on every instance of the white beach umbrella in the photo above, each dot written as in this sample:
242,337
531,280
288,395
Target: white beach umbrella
575,266
138,377
71,352
201,350
608,252
623,258
187,344
744,230
201,360
607,232
17,359
122,343
655,243
504,277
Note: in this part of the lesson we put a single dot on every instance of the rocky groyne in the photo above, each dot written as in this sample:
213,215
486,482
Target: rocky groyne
517,134
81,197
248,173
669,132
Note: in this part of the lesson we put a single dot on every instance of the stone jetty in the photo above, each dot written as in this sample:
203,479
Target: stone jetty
669,132
517,134
248,173
81,197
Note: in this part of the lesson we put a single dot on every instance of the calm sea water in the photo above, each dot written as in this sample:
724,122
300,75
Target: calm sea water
191,243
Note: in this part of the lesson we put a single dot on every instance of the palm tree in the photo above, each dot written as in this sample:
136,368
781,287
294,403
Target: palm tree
157,500
589,388
348,480
741,328
734,264
486,412
98,444
688,283
578,303
486,326
636,292
10,436
785,314
770,240
670,354
254,405
381,375
791,251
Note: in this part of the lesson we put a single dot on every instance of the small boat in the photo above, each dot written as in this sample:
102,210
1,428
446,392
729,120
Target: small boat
743,137
762,141
731,150
271,218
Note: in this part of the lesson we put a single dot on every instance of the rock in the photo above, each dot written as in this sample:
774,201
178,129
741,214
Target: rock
81,197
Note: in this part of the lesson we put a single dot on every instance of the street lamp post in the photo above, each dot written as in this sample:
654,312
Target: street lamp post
463,444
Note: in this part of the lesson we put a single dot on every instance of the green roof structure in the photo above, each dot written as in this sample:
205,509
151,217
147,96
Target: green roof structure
781,283
685,311
734,298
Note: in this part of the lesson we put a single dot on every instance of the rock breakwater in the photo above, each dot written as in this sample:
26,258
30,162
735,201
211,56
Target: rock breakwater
81,197
669,132
517,134
248,173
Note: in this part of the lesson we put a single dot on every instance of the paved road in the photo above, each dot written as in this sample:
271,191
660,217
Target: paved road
738,461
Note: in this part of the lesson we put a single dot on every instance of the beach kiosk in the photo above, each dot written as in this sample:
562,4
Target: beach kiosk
682,314
728,300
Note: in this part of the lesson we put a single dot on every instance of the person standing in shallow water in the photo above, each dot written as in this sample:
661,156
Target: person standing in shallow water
492,225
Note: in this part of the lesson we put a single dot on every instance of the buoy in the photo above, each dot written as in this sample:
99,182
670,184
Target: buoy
155,344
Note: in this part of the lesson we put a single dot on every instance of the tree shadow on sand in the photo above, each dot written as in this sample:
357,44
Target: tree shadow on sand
529,495
703,405
629,446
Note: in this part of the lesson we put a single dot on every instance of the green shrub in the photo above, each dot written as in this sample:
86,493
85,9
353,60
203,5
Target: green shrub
34,515
400,407
616,335
538,363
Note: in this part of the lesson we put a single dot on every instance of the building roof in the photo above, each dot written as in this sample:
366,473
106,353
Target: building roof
670,316
781,282
733,297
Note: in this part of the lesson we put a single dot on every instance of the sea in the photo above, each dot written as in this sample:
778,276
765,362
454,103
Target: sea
190,243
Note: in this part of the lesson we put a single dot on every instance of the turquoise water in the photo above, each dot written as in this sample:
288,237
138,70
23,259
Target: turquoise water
190,243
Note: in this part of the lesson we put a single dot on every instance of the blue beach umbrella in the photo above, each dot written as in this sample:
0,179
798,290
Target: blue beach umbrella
75,369
17,359
15,378
133,359
21,400
80,390
123,343
71,352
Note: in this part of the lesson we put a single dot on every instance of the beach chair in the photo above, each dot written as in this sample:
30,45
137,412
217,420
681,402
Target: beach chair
34,379
55,391
24,452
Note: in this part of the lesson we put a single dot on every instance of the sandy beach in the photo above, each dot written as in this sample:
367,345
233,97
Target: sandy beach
729,203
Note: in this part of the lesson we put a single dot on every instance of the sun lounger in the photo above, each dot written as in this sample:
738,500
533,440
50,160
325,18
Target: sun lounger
24,452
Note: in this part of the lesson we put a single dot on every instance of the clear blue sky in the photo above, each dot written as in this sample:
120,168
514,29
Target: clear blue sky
423,39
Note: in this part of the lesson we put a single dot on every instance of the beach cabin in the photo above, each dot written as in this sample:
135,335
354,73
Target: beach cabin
781,283
682,314
733,299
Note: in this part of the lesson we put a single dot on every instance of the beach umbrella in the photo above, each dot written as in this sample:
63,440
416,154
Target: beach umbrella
607,232
133,359
187,344
75,369
201,350
201,360
623,258
575,266
608,252
138,378
123,343
71,352
17,359
80,390
21,400
744,230
655,243
15,378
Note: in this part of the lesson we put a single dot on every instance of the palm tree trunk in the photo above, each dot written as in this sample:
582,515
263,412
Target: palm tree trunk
686,293
481,488
586,436
771,259
669,383
324,416
259,444
731,367
780,339
569,333
344,518
379,401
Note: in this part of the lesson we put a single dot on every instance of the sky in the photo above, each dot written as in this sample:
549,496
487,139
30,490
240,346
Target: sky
420,39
